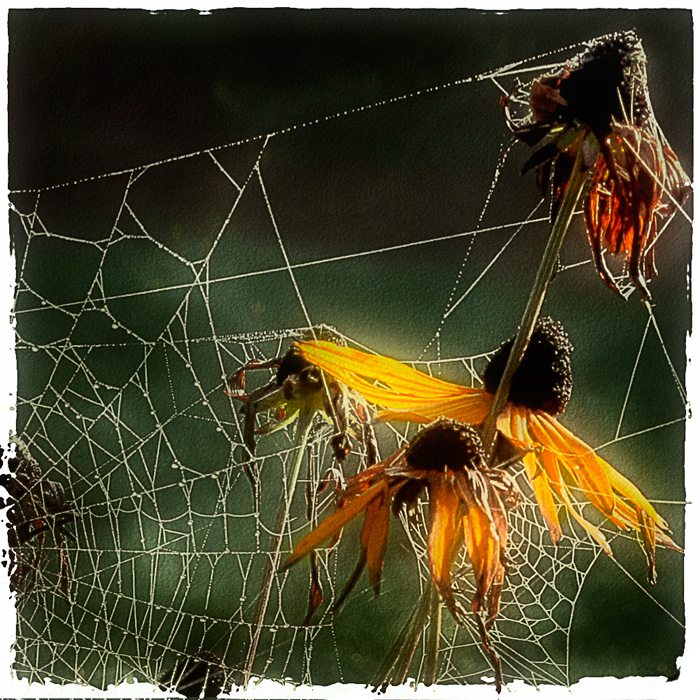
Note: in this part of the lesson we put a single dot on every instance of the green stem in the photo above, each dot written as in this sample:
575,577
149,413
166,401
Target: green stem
305,421
433,645
571,197
400,657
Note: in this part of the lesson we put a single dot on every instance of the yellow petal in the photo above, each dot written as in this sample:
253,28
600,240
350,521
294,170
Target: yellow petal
589,527
628,490
583,464
465,408
325,354
406,388
543,495
542,431
535,473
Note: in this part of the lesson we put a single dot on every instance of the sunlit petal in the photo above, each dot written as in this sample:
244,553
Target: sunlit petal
584,466
332,524
467,408
445,537
536,475
407,387
589,527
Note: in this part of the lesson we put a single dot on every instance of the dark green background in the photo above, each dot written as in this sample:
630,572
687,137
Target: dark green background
94,92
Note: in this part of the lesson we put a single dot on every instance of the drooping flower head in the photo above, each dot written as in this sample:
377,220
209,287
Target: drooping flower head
596,111
467,507
543,381
561,468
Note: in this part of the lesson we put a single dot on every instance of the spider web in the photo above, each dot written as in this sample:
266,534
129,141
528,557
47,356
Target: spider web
175,274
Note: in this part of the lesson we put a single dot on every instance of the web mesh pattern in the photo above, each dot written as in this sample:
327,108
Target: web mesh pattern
127,327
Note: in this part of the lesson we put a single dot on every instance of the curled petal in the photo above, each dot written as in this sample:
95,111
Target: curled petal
445,537
636,180
484,549
649,544
494,594
315,590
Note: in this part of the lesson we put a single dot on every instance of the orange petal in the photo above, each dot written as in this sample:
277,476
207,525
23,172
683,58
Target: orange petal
537,476
445,537
373,538
589,527
332,525
549,462
539,430
543,495
628,490
484,549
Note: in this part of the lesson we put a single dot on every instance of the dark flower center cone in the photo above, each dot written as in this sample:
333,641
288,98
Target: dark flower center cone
447,444
543,379
601,80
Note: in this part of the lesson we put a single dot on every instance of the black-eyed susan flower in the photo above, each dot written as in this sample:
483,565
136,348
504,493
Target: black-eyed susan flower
598,108
561,467
467,507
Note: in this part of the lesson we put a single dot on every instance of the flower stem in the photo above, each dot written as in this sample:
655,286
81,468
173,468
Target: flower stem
433,646
305,421
575,186
397,663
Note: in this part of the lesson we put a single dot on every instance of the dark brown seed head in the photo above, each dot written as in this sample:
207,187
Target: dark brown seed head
604,83
543,380
446,444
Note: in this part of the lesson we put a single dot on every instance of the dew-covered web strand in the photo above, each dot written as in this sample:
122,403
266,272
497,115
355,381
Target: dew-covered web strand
233,351
515,68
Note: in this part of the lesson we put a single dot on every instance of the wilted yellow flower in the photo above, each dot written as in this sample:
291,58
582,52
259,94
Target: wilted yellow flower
560,466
